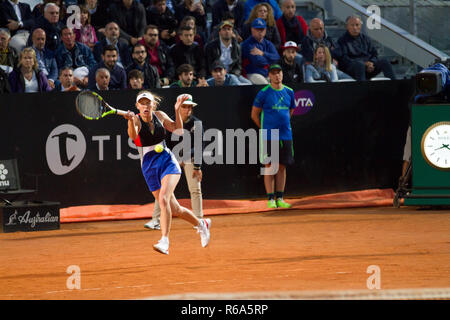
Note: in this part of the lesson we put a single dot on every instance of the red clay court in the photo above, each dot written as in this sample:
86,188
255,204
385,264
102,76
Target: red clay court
321,248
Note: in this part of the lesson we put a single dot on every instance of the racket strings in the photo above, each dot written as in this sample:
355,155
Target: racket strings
89,106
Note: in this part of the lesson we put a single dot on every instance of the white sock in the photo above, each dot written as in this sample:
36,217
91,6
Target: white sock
164,239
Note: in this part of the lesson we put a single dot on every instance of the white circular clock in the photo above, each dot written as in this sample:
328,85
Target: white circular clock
436,145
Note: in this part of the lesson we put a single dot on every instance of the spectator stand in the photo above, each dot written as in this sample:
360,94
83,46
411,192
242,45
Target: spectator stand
406,52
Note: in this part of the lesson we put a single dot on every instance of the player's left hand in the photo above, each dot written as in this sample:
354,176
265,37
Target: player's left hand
180,101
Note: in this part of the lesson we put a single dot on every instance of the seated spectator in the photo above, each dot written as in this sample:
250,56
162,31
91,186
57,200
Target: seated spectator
249,4
39,9
131,18
65,81
258,53
358,56
27,77
228,17
185,73
8,55
135,79
45,57
223,7
4,82
263,11
75,55
321,69
158,14
189,21
112,37
102,78
316,36
292,70
50,23
99,14
86,33
17,18
117,74
291,27
227,50
140,62
158,55
169,4
194,9
220,76
188,52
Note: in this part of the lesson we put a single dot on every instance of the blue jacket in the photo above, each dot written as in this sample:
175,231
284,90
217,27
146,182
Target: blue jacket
258,64
83,56
249,4
49,62
118,79
230,80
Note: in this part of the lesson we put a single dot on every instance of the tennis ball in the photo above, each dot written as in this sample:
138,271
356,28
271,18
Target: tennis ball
159,148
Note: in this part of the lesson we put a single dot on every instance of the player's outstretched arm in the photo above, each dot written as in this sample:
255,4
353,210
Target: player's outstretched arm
134,125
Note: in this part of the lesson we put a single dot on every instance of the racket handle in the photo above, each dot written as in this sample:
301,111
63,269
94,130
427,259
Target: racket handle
121,112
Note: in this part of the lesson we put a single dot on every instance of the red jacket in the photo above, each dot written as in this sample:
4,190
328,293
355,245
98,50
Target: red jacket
282,30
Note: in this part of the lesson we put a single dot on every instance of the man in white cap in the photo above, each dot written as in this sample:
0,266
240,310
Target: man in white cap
192,168
292,69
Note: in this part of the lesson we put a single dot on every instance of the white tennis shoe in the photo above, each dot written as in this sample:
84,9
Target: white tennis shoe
203,229
162,246
153,224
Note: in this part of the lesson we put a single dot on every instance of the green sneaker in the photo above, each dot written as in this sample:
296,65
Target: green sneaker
271,204
282,204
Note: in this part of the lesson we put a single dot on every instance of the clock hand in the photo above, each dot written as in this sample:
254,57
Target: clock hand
443,146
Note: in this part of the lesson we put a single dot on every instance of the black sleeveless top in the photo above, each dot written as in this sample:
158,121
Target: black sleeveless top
146,138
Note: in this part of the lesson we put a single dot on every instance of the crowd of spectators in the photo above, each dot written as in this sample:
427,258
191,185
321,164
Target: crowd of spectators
119,44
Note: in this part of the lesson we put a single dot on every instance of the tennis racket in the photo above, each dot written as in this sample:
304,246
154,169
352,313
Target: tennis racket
91,106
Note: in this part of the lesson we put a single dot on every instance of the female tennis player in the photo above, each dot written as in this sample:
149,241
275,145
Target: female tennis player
161,169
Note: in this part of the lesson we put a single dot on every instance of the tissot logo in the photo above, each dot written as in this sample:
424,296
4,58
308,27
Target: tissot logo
65,149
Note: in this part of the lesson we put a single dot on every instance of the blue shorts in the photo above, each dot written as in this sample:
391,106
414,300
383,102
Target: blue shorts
156,165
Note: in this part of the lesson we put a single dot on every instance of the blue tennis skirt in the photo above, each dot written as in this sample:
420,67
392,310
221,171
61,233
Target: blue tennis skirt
157,165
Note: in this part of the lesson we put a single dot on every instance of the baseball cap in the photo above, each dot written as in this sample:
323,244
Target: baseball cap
145,94
259,23
217,64
290,44
189,99
274,67
226,23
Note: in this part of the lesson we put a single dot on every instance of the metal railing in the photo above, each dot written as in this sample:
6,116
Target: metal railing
388,34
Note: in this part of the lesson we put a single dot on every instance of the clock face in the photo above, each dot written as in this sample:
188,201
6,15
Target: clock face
436,145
